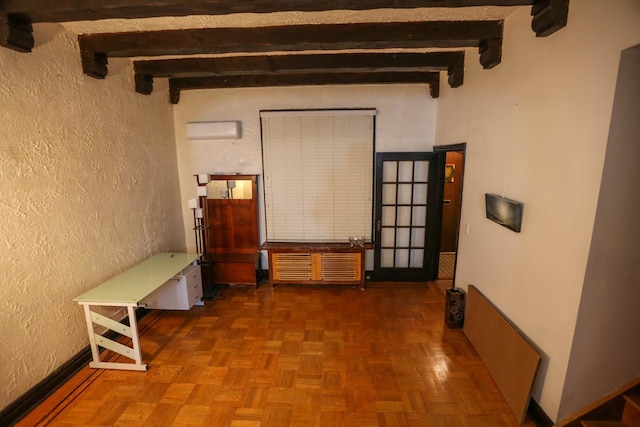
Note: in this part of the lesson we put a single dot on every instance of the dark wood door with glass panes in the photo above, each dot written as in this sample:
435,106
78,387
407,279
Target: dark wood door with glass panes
408,212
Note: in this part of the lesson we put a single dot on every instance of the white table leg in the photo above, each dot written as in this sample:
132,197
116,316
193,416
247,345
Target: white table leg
95,352
96,341
135,337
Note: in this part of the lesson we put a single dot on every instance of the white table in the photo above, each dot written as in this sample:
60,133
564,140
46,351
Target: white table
131,289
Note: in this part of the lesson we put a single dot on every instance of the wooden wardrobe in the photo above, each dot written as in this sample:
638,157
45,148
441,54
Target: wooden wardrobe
232,239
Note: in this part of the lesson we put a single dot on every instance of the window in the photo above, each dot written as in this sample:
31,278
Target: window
318,170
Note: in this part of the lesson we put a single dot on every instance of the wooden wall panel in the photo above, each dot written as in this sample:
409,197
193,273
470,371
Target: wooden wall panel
511,359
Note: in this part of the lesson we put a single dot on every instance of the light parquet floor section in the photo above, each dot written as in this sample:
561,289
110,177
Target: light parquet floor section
292,356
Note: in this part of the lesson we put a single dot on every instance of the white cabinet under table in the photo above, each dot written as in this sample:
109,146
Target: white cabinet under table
181,292
169,281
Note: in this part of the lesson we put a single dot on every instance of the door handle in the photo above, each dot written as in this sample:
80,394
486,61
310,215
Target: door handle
378,225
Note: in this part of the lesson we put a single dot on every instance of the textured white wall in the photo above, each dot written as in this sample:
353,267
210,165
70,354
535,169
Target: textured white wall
536,128
88,188
405,122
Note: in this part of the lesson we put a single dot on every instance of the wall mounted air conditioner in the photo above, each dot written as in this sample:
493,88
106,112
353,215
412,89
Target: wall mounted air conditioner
214,130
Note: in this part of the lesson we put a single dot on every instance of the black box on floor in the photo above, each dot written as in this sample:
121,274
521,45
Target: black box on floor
454,308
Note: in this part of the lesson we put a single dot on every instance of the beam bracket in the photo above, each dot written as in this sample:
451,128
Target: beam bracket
434,87
144,83
94,64
549,16
16,32
174,91
455,73
490,53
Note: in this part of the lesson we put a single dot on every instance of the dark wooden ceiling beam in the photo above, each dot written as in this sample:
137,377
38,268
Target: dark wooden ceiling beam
89,10
452,62
194,67
176,85
424,34
429,34
17,15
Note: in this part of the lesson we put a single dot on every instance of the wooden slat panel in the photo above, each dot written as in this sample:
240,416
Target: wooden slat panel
330,263
340,267
316,266
510,358
292,266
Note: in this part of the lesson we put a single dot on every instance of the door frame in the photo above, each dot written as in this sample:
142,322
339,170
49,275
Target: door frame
444,149
435,191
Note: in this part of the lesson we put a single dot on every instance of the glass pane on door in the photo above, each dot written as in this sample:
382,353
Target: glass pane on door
402,258
404,216
386,260
402,234
389,194
421,171
405,171
390,171
417,237
417,258
404,194
420,194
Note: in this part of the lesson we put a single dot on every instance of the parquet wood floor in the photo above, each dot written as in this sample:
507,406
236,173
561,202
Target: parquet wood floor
292,356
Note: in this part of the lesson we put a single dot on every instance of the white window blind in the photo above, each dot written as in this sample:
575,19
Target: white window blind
318,171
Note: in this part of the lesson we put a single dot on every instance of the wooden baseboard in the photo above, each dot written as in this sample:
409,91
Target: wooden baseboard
38,393
19,408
